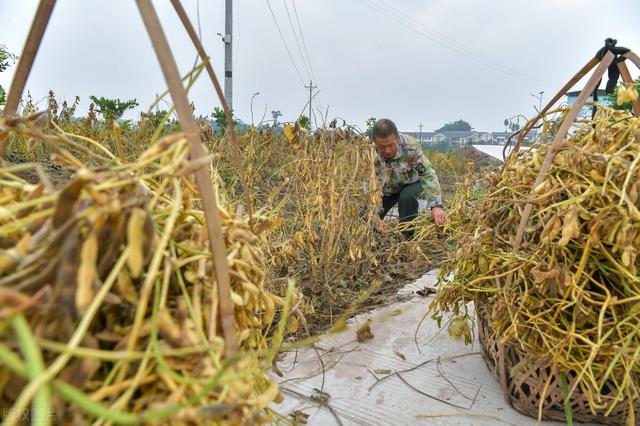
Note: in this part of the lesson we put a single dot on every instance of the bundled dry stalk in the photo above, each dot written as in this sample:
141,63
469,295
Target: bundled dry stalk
569,298
322,187
107,297
439,242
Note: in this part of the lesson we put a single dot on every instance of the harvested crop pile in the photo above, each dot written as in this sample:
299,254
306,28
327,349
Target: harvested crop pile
109,309
570,297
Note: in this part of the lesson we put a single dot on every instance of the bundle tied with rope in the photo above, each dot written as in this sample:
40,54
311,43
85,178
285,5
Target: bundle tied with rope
110,309
552,263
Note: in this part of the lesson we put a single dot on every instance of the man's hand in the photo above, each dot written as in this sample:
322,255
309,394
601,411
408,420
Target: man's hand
439,216
380,226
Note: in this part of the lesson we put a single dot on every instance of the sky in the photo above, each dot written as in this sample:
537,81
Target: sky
414,61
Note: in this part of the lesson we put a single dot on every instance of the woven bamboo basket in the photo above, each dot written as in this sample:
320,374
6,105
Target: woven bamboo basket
524,385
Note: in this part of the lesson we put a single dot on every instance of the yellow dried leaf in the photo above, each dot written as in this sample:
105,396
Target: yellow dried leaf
267,397
459,328
292,327
288,132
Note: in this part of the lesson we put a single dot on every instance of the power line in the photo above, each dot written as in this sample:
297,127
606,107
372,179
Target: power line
285,43
435,39
454,42
295,36
422,30
304,44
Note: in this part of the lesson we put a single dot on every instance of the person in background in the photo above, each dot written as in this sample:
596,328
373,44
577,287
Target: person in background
406,175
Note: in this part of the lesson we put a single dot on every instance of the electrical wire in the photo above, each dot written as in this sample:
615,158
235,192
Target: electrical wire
392,9
295,36
412,27
422,30
285,43
304,44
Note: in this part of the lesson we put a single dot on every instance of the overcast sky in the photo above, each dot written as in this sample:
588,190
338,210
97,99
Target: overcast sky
370,57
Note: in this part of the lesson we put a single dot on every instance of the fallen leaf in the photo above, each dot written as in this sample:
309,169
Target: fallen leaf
364,333
299,417
426,291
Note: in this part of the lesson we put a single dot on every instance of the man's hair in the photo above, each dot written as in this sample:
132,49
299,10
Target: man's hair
384,128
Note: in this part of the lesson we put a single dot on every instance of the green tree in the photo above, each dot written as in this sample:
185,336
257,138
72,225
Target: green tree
6,60
614,97
459,125
304,122
220,118
112,109
154,117
371,121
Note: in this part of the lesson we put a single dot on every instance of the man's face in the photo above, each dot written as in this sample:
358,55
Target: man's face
388,146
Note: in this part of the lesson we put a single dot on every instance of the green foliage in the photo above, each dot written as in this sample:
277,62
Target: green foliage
276,115
458,125
614,97
371,121
112,109
6,58
220,119
440,147
304,122
154,118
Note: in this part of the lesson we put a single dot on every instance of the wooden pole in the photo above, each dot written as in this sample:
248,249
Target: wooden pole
531,123
559,137
237,155
202,177
29,51
626,77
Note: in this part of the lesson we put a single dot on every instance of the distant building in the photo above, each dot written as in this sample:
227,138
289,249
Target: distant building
466,137
427,137
603,97
586,111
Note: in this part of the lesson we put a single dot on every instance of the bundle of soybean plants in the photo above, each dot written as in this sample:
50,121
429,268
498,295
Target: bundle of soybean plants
570,296
109,307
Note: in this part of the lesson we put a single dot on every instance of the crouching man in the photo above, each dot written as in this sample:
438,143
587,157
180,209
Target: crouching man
405,175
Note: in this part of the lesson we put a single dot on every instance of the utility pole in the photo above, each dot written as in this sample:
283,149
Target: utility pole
228,54
420,139
310,87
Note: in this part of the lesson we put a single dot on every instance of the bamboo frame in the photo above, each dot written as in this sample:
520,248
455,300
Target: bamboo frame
559,137
531,123
202,177
31,46
626,77
189,125
237,155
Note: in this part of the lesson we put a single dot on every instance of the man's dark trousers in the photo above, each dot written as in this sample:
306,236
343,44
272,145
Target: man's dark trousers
407,200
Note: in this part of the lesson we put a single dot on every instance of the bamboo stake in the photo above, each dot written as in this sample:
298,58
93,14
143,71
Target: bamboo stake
31,46
216,84
202,177
626,77
633,58
529,125
559,137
